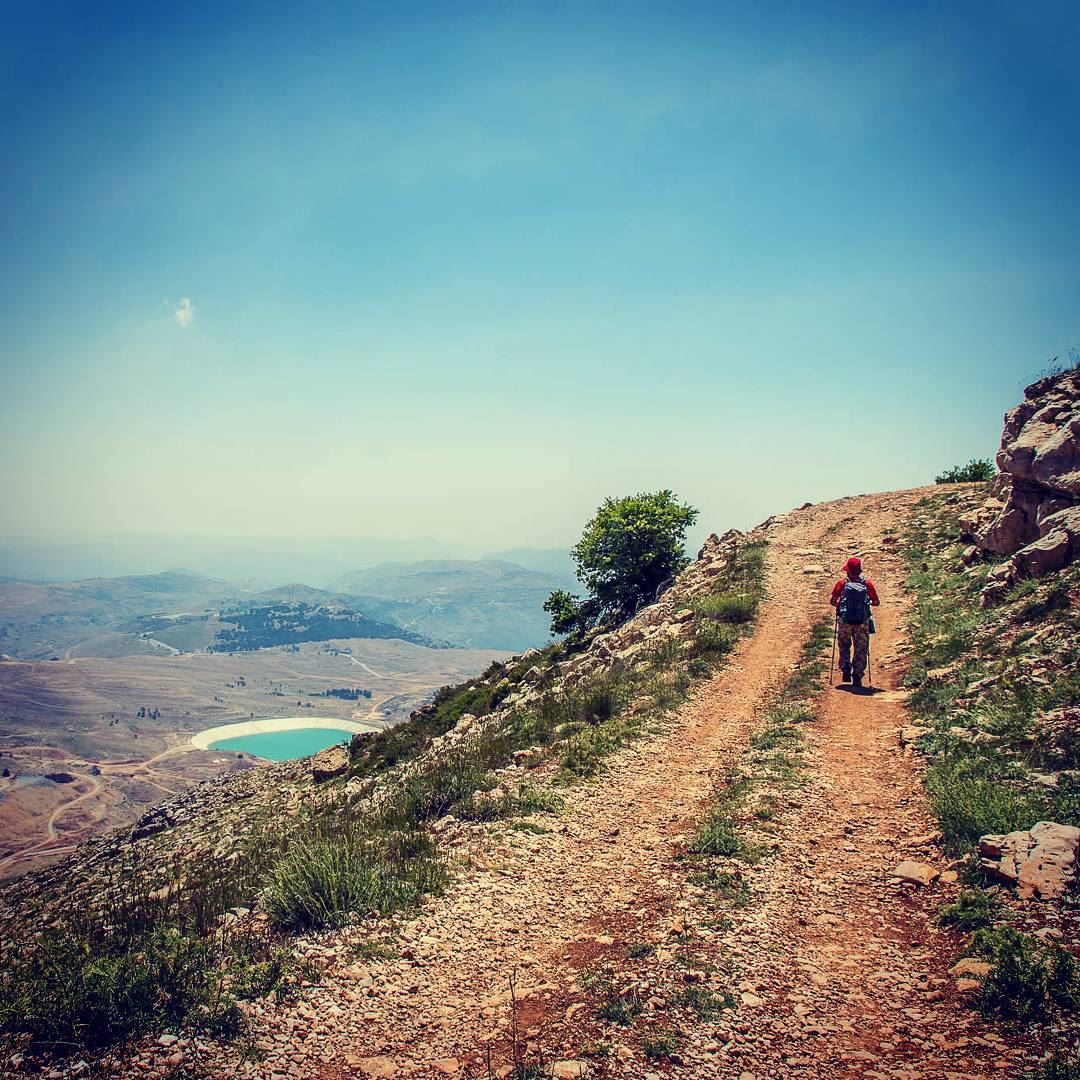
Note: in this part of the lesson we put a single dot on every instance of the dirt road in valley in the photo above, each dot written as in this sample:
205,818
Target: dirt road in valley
836,967
53,842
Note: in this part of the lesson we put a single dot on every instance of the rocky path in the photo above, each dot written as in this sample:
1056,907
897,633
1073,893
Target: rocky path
840,972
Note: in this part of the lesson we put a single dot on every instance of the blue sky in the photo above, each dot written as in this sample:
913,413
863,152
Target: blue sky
463,270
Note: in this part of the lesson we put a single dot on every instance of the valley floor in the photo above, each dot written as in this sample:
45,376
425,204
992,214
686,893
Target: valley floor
836,967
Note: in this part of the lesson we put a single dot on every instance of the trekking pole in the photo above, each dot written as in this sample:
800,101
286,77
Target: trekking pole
832,662
869,662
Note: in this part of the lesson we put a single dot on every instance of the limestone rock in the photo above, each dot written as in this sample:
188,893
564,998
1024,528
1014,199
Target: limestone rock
971,967
911,733
1045,555
1040,481
329,763
1041,862
379,1067
569,1070
915,872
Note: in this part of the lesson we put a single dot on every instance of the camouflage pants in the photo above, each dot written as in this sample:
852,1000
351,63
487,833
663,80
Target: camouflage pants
853,636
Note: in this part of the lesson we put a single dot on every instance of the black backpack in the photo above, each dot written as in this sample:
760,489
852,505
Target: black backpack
855,602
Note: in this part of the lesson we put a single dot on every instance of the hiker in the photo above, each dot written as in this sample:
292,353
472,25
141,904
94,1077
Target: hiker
853,596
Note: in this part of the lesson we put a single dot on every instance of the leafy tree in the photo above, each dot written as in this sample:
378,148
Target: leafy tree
630,546
565,611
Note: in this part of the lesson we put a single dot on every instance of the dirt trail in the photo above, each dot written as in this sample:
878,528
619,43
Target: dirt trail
836,964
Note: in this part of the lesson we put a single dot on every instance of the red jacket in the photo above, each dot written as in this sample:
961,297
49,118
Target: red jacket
838,590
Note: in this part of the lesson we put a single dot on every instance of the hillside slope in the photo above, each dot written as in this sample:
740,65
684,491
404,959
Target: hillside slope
745,885
832,961
482,603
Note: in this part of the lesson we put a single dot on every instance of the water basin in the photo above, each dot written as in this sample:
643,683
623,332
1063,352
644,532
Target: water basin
281,738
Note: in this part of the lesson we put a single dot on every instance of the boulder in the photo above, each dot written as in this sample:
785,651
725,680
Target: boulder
910,733
328,763
915,872
1057,547
1044,556
1039,461
710,548
1040,862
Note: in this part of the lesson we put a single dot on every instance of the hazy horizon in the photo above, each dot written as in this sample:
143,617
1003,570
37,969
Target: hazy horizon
463,273
260,562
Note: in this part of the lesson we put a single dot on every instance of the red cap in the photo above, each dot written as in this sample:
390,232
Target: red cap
853,565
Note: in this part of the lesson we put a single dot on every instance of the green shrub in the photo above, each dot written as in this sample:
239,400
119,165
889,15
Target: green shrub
973,909
705,1004
1026,976
446,784
660,1046
613,1005
599,701
1060,1066
528,799
629,547
585,750
974,470
729,885
717,836
60,988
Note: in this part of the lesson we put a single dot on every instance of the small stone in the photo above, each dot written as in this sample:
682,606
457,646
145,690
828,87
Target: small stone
978,969
915,872
569,1070
379,1067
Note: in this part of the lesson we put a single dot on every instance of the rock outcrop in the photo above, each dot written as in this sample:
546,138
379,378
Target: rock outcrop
1033,514
1041,863
329,763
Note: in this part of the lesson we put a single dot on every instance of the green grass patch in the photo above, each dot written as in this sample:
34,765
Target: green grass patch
973,909
660,1045
971,797
1027,977
703,1002
613,1005
327,882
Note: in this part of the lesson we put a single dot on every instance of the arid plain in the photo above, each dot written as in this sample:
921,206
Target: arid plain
88,743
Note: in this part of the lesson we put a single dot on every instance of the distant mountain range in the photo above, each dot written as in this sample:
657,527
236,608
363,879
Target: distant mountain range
481,603
486,603
263,626
554,561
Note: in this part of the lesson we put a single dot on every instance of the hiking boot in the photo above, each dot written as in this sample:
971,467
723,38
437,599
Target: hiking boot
845,675
856,682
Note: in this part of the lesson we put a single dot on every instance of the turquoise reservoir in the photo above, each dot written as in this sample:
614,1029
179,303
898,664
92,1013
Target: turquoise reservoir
283,745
